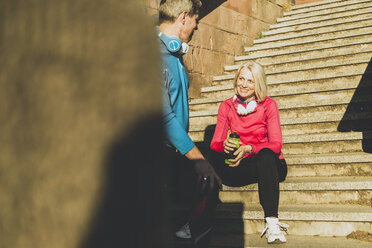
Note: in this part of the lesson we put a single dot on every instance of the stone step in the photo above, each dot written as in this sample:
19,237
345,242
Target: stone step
300,41
330,9
324,137
328,98
306,219
308,51
360,22
318,19
325,114
330,169
345,17
324,147
314,62
309,190
292,129
222,92
223,240
317,73
340,158
314,143
293,121
329,165
318,123
320,72
324,6
340,117
312,4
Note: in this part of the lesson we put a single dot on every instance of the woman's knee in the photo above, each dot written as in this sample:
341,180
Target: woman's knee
266,152
266,158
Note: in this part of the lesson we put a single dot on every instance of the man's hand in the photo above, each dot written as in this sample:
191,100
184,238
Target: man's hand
206,175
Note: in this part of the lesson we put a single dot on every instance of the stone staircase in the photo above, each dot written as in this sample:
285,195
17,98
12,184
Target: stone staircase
318,64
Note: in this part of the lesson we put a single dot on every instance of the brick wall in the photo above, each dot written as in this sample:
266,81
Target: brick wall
222,35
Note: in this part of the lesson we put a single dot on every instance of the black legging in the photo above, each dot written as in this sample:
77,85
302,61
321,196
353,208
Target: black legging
266,169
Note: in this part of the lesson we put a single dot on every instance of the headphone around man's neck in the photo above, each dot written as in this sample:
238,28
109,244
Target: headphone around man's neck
173,43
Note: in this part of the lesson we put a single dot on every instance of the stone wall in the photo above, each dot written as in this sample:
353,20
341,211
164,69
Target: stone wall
298,2
222,34
80,105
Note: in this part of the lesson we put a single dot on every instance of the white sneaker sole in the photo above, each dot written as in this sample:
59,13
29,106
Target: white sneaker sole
276,241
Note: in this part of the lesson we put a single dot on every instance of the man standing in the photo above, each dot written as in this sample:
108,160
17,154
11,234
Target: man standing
177,21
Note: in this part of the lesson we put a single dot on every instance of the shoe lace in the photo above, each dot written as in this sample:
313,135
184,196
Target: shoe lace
282,226
186,228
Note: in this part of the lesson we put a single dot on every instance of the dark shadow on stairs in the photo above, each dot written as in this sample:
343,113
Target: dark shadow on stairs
229,227
358,115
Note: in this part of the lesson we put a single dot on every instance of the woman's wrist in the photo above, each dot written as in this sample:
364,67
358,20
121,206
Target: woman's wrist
248,148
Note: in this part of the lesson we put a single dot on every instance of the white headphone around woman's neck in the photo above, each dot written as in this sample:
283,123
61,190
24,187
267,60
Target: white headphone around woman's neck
244,110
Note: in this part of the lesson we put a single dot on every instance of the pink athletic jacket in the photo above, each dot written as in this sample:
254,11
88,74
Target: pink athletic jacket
261,129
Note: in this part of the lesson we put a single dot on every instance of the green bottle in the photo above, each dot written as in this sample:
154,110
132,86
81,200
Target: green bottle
235,137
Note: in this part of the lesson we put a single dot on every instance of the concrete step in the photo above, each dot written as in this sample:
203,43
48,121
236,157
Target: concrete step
318,73
312,4
293,129
306,57
300,41
319,123
318,19
330,169
338,158
314,143
324,6
318,119
329,165
223,240
297,101
361,21
311,63
325,147
308,51
309,190
325,114
323,98
345,17
330,9
337,83
324,137
321,72
306,219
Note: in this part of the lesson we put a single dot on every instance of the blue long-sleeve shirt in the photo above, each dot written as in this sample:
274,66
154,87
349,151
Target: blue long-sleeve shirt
175,100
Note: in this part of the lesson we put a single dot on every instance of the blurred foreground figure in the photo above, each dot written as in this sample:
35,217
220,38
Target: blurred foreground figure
80,106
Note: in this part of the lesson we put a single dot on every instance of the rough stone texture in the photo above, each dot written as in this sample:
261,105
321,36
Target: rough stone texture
223,32
299,2
79,96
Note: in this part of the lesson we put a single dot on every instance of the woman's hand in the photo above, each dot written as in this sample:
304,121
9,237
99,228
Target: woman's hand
229,145
242,150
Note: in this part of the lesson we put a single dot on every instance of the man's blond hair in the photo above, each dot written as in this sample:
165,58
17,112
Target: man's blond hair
169,10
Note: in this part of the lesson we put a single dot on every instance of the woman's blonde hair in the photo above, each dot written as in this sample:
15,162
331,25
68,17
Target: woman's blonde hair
259,79
169,10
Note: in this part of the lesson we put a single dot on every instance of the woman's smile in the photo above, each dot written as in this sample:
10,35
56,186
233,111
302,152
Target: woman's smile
245,85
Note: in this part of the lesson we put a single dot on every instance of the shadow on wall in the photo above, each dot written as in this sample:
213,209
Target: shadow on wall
209,6
133,209
358,115
80,109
